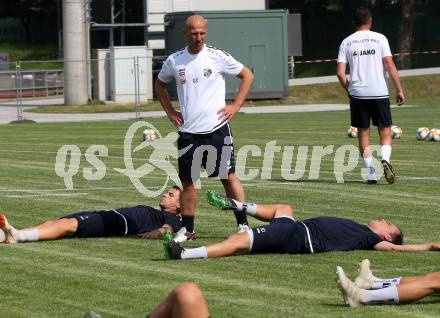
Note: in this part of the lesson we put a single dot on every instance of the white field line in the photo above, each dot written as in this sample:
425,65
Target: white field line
48,195
326,158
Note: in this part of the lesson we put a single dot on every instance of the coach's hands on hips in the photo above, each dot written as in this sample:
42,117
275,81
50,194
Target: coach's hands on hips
227,112
175,117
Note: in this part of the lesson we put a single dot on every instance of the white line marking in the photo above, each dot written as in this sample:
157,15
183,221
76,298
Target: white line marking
47,195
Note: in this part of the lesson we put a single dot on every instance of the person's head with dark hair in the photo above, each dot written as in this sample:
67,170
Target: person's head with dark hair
361,16
170,200
397,237
387,231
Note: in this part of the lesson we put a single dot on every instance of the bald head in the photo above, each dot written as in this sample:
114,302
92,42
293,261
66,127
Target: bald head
195,21
195,33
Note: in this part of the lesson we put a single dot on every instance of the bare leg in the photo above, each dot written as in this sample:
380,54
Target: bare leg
234,244
185,301
385,136
233,187
267,212
364,142
234,190
416,288
188,204
53,230
50,230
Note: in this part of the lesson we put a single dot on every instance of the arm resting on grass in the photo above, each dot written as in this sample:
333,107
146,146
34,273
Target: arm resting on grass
390,247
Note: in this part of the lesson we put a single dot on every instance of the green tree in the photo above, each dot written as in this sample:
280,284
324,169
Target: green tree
29,10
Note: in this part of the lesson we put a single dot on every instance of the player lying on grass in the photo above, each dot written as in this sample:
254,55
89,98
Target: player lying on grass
368,289
286,235
145,221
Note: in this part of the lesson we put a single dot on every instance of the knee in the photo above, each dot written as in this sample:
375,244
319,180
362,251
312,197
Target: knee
433,279
238,242
69,225
187,294
283,210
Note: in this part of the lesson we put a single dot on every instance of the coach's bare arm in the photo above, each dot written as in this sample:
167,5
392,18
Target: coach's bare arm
340,72
390,247
228,111
162,93
392,71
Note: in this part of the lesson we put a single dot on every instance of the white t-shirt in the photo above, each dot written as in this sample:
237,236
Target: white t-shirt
364,52
200,85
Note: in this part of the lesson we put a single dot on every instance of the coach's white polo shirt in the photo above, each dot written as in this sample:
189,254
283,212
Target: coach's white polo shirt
200,85
364,52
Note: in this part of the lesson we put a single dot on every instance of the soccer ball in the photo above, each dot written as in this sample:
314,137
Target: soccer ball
434,135
422,133
396,132
149,135
352,132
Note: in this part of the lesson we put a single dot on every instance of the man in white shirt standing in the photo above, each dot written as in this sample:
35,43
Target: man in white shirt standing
369,57
205,137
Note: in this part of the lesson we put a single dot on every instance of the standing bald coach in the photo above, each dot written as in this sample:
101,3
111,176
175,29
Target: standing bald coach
205,137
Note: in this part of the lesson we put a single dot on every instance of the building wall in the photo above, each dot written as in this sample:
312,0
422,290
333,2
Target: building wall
158,8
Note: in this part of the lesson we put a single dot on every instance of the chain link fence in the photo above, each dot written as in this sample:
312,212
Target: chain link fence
124,80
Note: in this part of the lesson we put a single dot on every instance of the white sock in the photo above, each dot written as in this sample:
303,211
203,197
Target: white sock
387,295
2,236
385,151
379,283
199,252
368,161
26,236
248,208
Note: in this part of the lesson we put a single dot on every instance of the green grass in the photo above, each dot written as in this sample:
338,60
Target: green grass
415,87
126,277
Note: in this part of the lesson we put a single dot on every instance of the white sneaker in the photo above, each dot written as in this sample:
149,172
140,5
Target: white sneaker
180,235
2,236
7,230
241,228
365,278
351,293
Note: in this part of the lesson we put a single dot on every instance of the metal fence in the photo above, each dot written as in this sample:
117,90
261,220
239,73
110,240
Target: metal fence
120,80
35,83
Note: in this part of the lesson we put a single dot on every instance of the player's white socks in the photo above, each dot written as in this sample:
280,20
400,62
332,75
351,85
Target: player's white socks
248,208
2,236
199,252
387,295
385,151
379,283
368,161
26,236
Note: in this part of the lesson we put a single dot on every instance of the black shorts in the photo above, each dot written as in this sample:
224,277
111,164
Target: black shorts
99,224
281,235
378,110
213,151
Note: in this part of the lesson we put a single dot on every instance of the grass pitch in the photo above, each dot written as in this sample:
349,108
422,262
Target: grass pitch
127,277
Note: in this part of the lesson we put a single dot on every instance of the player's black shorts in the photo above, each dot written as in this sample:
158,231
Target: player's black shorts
378,110
99,224
213,151
281,235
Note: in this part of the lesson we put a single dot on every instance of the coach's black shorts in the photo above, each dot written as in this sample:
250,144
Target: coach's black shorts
378,110
213,151
281,235
99,224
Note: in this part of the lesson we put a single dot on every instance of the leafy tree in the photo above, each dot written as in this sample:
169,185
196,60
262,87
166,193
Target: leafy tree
28,11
